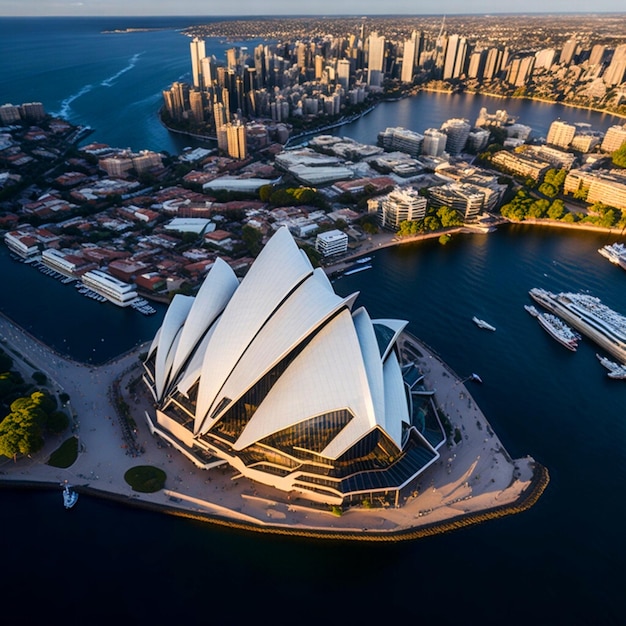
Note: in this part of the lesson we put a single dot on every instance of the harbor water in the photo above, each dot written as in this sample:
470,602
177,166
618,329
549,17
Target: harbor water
561,562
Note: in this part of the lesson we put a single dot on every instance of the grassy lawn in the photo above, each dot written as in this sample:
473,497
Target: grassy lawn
65,454
145,478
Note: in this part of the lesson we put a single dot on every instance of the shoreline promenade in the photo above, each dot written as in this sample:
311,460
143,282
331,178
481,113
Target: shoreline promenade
474,480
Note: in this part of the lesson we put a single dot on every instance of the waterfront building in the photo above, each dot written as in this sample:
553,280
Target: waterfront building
520,70
301,392
400,205
457,131
33,111
466,199
477,140
331,242
401,139
493,63
476,68
113,289
614,138
22,243
561,134
66,262
9,114
520,164
605,186
434,143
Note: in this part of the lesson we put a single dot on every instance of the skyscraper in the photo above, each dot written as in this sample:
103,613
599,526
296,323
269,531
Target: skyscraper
198,53
375,59
410,57
615,73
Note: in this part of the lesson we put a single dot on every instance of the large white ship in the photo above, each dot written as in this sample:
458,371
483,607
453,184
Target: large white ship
588,315
614,252
559,330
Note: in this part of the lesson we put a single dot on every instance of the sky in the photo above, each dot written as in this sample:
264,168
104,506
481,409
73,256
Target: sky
289,7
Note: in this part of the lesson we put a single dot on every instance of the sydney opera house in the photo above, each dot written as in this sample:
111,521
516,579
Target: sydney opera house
291,384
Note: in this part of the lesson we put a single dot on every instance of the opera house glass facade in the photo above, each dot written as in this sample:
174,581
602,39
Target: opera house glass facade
291,384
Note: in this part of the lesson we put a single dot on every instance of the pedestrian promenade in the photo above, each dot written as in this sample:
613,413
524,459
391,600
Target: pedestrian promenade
472,477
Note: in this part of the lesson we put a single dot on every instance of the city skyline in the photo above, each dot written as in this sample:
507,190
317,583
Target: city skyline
41,8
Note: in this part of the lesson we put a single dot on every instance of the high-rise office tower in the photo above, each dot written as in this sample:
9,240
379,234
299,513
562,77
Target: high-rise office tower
520,70
544,59
561,134
410,57
568,52
616,71
597,55
207,69
375,59
198,52
476,67
455,57
196,105
343,73
236,136
493,63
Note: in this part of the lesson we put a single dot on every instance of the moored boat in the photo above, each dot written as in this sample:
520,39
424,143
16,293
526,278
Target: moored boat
70,497
559,330
616,370
482,324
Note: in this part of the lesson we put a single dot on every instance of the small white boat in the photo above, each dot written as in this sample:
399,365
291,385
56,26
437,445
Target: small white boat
482,324
70,497
531,309
477,378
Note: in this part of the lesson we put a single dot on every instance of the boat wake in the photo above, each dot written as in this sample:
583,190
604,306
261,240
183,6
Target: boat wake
109,82
66,105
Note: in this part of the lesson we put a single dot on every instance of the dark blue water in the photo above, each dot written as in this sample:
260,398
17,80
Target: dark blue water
562,562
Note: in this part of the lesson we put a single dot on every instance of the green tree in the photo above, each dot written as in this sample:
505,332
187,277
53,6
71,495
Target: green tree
619,157
252,238
556,210
449,217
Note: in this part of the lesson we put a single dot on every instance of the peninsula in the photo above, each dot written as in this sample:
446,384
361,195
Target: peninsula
474,480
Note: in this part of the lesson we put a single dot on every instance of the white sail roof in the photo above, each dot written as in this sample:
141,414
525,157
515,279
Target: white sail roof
175,317
397,326
213,296
396,406
193,369
278,269
303,311
328,375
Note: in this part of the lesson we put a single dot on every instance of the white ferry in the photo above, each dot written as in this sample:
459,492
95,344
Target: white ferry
588,315
355,270
616,370
482,324
559,330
